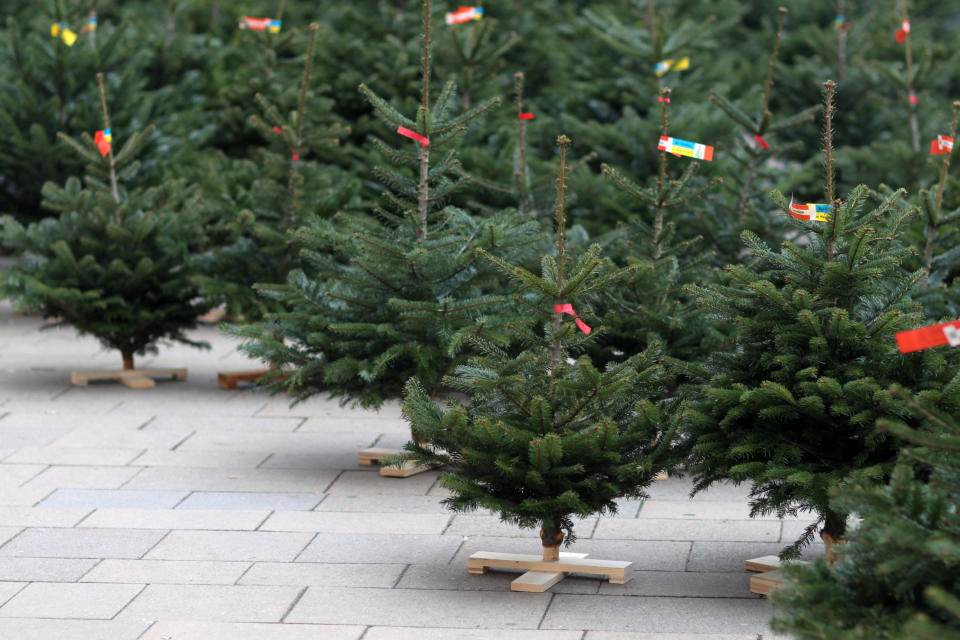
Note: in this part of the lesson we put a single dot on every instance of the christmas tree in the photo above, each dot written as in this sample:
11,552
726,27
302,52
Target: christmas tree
546,437
395,293
898,574
117,263
791,406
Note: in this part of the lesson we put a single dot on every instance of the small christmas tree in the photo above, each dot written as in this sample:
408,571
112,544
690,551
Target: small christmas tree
791,406
546,438
118,262
898,574
386,296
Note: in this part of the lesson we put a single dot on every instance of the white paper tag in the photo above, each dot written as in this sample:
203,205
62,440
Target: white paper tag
952,334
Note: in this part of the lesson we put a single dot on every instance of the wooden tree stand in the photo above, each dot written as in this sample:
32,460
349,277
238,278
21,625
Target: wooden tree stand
133,378
373,455
543,573
230,379
770,576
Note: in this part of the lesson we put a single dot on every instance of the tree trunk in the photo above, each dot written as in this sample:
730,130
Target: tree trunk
551,537
127,360
832,534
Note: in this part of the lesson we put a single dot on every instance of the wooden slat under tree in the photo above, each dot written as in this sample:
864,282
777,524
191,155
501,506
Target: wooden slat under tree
133,378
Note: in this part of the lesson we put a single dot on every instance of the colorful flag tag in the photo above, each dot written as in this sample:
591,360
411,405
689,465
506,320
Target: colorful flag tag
902,32
91,24
103,140
525,116
261,24
942,145
568,309
686,148
671,65
935,335
61,29
464,14
810,212
841,24
760,141
413,135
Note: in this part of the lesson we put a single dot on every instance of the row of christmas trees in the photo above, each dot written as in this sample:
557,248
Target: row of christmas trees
627,354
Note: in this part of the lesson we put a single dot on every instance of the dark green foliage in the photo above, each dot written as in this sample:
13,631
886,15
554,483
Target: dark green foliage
545,438
899,574
118,261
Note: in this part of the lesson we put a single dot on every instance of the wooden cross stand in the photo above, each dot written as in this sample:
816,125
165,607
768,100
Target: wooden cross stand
373,455
133,378
541,573
230,379
769,577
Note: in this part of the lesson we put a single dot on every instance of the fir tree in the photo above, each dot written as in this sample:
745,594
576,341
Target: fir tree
117,263
791,406
545,438
898,576
393,294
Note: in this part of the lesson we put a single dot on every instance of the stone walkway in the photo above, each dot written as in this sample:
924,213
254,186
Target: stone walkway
187,512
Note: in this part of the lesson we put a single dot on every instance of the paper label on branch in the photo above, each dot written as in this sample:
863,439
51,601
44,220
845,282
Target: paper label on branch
662,99
935,335
671,65
413,135
913,99
568,309
679,147
91,25
464,14
810,211
942,145
525,116
261,24
902,32
103,139
61,29
760,141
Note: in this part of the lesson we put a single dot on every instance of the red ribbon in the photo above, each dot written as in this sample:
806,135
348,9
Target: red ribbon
763,143
568,309
525,116
924,337
413,135
662,99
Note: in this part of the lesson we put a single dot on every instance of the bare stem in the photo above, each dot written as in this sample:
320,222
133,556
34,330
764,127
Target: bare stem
561,222
914,126
830,88
283,5
768,85
106,125
933,225
661,180
522,179
423,186
301,116
841,43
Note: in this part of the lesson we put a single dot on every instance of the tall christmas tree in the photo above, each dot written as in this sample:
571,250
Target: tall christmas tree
118,262
791,406
545,438
898,574
395,293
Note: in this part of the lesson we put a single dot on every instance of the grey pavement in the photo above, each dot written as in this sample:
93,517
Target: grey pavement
189,512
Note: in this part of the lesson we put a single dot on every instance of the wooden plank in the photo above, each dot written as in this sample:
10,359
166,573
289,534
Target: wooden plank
230,379
618,571
133,378
540,581
407,469
373,455
661,476
763,583
763,563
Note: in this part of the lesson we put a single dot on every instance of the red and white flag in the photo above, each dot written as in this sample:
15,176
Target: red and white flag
942,145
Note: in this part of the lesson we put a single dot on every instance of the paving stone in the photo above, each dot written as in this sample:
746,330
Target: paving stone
653,555
345,444
373,503
409,607
418,633
70,600
675,488
668,529
113,498
370,481
175,630
491,526
22,497
230,545
44,569
251,500
678,509
335,522
218,423
81,406
685,584
322,406
14,475
729,556
68,421
792,530
16,628
673,615
200,459
347,424
208,519
211,603
323,575
616,635
81,543
83,477
74,456
184,406
626,508
9,589
167,572
127,438
380,548
8,533
455,577
269,480
33,517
